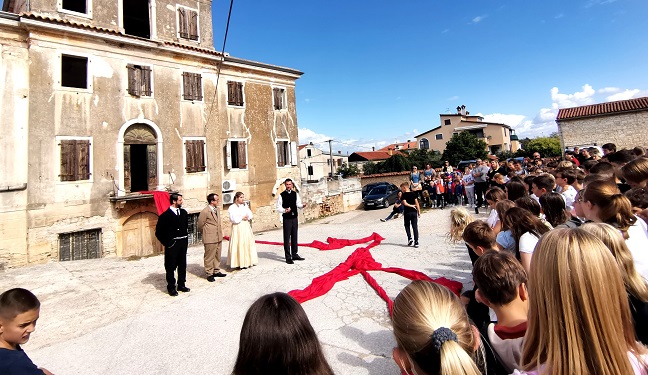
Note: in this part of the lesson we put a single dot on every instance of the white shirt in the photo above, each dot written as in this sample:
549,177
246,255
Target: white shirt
528,243
637,243
569,193
468,180
236,213
493,218
279,204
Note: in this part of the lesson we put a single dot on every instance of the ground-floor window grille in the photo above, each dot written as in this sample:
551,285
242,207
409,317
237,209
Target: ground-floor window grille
195,235
80,245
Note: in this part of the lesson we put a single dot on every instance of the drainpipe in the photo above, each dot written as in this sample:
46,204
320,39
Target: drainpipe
4,189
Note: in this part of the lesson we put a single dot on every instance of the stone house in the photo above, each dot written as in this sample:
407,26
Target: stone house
498,137
107,99
316,164
623,122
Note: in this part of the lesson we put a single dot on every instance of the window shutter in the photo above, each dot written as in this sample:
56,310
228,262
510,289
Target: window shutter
132,81
239,92
151,151
310,170
182,22
228,154
83,160
276,93
146,81
200,156
186,86
193,24
198,86
230,92
127,169
294,156
279,154
241,155
67,160
190,156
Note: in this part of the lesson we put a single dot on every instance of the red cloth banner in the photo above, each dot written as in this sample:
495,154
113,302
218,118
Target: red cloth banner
161,198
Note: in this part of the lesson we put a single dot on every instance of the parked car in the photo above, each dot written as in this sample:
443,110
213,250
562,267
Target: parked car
464,163
381,196
367,188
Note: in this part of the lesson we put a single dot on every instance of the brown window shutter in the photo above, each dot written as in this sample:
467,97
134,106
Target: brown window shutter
231,92
198,86
200,156
186,86
280,162
67,160
190,152
83,160
146,81
182,22
127,169
278,98
241,155
151,151
239,92
192,17
132,80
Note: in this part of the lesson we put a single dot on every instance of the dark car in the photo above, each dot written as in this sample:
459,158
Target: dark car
381,196
464,163
367,188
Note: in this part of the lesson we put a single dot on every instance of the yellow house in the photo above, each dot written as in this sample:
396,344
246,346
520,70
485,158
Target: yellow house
498,137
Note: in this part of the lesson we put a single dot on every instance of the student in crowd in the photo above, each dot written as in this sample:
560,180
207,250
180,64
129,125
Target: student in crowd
416,183
580,178
19,311
603,169
639,200
494,195
639,151
277,338
439,191
459,219
636,286
433,332
555,211
608,149
411,214
498,181
397,209
636,173
587,166
569,332
457,189
469,185
543,184
570,156
480,173
501,285
504,238
565,179
516,189
533,206
526,229
603,203
518,169
528,183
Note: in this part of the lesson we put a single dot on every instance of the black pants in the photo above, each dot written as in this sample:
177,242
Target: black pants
175,257
411,217
290,237
480,189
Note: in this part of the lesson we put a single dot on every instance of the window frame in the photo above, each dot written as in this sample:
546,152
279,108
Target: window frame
290,150
229,163
447,121
58,159
284,98
438,137
204,156
59,72
178,30
87,15
242,83
151,80
72,235
182,88
427,142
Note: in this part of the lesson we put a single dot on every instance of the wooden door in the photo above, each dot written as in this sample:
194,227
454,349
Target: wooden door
138,235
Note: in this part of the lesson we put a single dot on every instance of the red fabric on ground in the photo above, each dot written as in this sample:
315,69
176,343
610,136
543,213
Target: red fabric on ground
161,200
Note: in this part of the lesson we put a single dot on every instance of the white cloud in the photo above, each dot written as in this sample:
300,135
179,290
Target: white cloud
608,90
307,135
307,100
456,97
478,19
627,94
501,118
572,100
559,16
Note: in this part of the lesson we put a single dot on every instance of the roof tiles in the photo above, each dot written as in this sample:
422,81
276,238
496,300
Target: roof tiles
620,106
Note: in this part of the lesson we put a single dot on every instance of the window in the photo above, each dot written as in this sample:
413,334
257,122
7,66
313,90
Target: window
195,235
77,6
195,155
74,71
438,136
424,144
505,132
192,86
80,245
139,80
236,154
286,153
75,159
447,121
136,15
309,153
187,23
279,98
235,93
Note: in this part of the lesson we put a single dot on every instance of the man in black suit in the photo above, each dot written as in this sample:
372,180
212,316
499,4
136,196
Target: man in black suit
171,231
287,204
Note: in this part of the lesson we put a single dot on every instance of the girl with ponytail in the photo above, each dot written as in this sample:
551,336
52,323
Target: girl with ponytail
604,203
433,332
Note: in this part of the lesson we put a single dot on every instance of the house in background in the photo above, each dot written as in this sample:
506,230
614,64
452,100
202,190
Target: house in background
108,100
498,137
623,122
362,157
315,164
403,146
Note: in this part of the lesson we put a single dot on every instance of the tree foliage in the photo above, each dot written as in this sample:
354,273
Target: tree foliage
369,168
464,146
546,146
347,170
420,158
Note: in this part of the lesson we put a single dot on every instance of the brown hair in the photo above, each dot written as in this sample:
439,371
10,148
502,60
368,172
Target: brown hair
603,168
520,221
636,171
529,204
498,276
501,207
515,189
479,233
495,194
567,174
638,197
553,206
17,301
545,181
614,207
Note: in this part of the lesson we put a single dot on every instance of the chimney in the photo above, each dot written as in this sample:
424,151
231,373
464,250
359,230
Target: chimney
339,152
463,110
458,109
373,149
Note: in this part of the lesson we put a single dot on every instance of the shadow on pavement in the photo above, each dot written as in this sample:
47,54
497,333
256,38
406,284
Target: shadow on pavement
271,256
379,344
197,270
157,280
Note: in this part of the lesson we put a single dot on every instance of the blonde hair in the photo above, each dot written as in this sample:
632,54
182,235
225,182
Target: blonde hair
579,315
565,164
419,310
612,238
459,219
614,207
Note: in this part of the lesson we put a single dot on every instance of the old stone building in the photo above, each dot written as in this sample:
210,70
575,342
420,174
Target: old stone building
106,99
623,122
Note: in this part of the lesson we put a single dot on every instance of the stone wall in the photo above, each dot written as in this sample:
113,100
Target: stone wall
625,130
395,178
326,198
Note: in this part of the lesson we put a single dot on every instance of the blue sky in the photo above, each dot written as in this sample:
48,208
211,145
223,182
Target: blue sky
376,72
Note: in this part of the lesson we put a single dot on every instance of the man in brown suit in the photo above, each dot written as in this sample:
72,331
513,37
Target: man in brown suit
209,223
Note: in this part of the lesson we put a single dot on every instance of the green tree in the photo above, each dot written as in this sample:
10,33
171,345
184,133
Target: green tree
420,158
369,168
396,163
464,146
546,146
348,170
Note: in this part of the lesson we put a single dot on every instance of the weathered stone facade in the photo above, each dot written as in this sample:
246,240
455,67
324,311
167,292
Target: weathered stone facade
326,198
625,130
395,178
134,142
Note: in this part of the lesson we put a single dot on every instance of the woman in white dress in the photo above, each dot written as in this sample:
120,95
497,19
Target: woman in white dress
242,250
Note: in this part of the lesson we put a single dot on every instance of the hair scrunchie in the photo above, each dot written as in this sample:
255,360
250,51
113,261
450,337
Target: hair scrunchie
440,336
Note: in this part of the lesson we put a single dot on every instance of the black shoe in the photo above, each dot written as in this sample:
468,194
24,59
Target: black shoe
297,257
383,220
173,292
476,209
289,261
416,244
211,278
184,289
410,242
219,274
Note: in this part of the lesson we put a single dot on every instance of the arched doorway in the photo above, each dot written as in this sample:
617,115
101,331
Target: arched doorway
140,158
138,235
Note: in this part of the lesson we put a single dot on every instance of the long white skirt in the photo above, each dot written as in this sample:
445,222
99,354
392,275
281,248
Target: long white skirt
242,249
